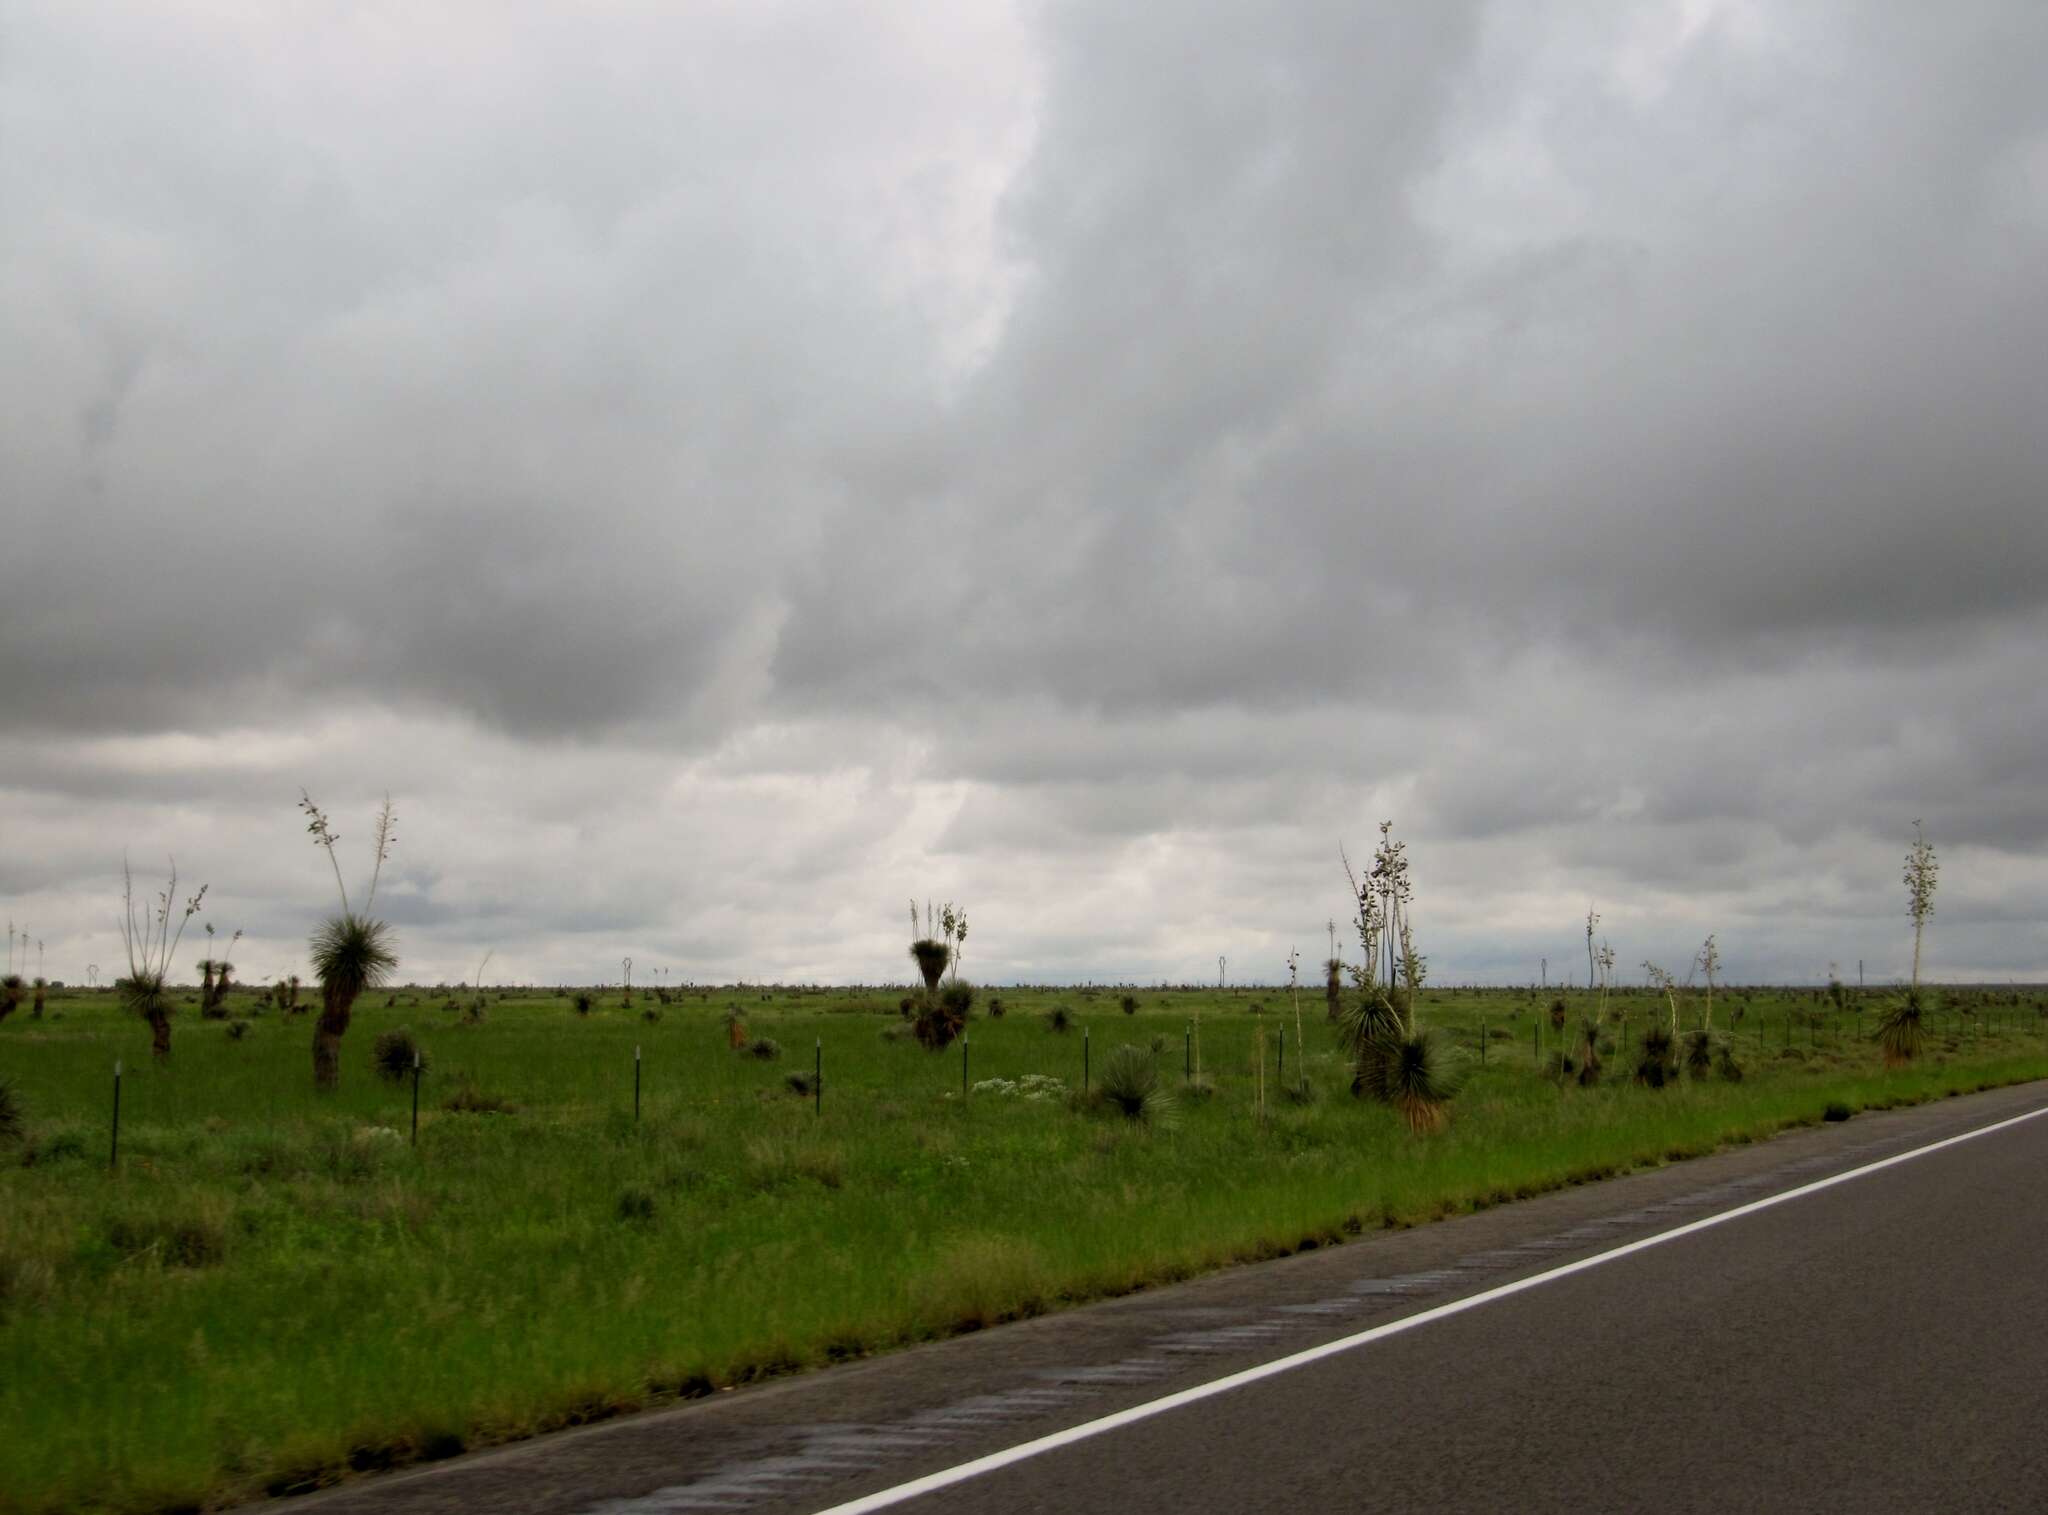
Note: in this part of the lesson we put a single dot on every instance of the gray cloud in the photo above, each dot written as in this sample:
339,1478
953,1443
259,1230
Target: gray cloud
727,470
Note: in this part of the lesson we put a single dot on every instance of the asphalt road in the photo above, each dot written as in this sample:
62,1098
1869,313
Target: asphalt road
1882,1345
1879,1344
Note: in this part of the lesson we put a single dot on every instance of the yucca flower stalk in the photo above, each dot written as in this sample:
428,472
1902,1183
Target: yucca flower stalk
1899,1033
1709,963
351,952
1592,958
1662,980
151,941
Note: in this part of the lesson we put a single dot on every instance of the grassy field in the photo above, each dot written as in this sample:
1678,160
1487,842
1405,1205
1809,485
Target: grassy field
275,1287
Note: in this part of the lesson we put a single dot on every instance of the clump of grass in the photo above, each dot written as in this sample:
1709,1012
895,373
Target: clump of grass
651,1014
236,1030
1059,1018
635,1205
1836,1111
1726,1065
468,1099
995,1007
583,1002
171,1236
1129,1004
801,1084
1131,1087
394,1053
764,1049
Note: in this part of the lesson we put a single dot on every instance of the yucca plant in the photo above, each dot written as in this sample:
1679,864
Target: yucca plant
12,992
929,953
1901,1031
352,951
215,978
1393,1059
151,941
1699,1052
944,1016
1416,1076
1130,1086
1589,1055
1653,1058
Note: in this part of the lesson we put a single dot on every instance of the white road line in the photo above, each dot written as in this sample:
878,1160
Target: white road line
947,1477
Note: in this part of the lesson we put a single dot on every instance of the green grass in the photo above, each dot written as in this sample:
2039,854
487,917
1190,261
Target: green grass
275,1286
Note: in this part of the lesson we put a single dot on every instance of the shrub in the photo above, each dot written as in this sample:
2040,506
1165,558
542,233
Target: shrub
1836,1110
1129,1004
636,1205
1727,1066
1059,1018
801,1083
651,1014
583,1001
392,1054
1130,1086
237,1030
764,1048
995,1007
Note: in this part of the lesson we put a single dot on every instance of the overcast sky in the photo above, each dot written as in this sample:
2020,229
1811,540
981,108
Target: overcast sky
726,469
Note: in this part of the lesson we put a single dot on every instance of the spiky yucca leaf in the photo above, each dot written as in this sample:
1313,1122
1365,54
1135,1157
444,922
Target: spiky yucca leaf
352,953
142,994
1900,1033
1132,1088
1367,1022
932,958
1653,1058
1699,1053
1415,1074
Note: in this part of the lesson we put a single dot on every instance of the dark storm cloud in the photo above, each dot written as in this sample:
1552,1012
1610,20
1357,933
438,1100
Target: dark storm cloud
728,468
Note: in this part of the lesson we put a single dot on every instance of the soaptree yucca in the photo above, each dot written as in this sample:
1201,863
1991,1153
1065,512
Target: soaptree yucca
352,951
1899,1033
151,939
1392,1058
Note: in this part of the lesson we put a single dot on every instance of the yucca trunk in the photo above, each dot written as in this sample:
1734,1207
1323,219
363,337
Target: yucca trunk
159,1032
10,996
1331,1000
327,1034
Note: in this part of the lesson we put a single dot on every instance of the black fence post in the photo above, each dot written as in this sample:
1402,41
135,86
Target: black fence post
114,1152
